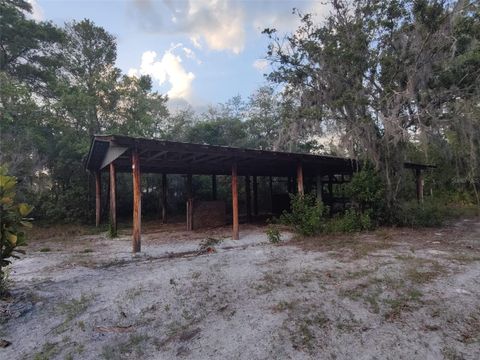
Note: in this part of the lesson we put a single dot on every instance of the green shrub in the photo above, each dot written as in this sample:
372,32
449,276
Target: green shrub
428,214
366,190
306,215
351,221
273,234
12,220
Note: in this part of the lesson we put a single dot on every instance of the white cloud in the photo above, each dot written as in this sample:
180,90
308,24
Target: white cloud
37,11
260,64
217,23
168,69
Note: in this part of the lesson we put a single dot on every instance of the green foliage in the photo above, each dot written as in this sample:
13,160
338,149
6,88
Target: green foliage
366,189
306,214
349,222
273,234
12,221
428,214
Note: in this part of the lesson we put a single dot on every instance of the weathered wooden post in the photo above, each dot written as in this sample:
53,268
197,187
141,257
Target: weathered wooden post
98,198
235,226
164,198
270,184
137,202
113,201
214,187
248,194
419,180
255,196
189,203
300,178
319,188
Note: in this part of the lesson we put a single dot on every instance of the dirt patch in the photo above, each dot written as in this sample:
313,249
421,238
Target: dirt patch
400,293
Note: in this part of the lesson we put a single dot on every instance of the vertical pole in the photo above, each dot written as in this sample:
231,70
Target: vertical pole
214,187
319,188
419,179
98,198
255,196
164,198
248,195
189,203
137,203
330,192
300,178
270,184
235,235
289,184
113,201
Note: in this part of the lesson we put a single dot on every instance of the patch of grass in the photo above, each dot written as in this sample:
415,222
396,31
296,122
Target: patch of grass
87,250
71,310
132,348
450,353
282,306
402,303
463,258
45,249
303,336
422,271
346,246
49,350
471,332
352,275
268,283
62,232
132,293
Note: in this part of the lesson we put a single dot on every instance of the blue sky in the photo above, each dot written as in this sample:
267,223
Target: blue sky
199,51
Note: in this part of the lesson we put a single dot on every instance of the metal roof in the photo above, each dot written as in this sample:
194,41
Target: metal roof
171,157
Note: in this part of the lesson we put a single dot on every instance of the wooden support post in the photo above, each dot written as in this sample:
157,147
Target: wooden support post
214,187
419,180
300,178
189,186
330,193
289,184
319,188
248,195
164,198
189,202
190,214
98,198
255,196
235,234
137,203
113,201
270,184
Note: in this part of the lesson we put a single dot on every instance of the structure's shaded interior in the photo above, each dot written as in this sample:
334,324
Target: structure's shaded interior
264,178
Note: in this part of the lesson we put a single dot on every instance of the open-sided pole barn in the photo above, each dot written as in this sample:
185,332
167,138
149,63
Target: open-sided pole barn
138,155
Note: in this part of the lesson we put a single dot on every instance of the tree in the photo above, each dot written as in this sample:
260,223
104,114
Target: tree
140,112
87,90
28,49
368,73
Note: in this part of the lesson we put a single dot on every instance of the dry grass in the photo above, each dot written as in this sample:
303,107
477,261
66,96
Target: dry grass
345,246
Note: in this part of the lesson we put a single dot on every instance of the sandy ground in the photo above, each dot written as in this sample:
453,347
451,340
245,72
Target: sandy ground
389,294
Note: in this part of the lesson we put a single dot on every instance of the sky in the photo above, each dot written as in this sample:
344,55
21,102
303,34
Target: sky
199,52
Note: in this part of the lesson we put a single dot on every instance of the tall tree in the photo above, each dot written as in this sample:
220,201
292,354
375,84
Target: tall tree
367,72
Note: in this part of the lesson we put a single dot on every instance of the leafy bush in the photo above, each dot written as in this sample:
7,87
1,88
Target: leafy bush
12,219
351,221
414,214
366,190
273,234
306,215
